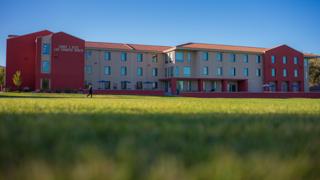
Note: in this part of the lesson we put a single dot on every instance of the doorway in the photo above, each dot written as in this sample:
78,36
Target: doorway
45,84
232,87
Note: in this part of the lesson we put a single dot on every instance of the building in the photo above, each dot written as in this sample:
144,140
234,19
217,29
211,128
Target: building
59,61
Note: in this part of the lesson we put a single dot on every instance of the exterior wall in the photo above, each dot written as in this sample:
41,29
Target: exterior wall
197,63
98,62
21,55
66,62
290,53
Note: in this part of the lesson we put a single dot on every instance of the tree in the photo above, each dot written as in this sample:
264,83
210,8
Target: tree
17,80
2,76
314,71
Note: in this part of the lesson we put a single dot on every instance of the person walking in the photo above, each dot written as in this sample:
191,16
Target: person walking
90,91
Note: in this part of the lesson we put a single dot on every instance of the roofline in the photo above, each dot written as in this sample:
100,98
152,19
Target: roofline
169,50
221,45
126,50
287,46
178,47
223,50
129,45
68,35
309,56
19,36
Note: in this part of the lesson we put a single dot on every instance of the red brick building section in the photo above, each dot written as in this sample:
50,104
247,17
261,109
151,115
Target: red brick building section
21,55
24,53
279,80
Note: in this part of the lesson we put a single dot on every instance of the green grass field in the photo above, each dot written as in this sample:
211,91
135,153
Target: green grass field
67,136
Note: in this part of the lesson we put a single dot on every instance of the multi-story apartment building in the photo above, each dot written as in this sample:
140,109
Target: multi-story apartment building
59,61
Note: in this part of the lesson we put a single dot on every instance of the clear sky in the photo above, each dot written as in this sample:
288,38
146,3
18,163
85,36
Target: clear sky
261,23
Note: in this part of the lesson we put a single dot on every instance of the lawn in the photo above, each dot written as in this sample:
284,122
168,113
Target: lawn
68,136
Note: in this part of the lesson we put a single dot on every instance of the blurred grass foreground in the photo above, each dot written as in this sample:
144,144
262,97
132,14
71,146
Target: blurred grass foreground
66,136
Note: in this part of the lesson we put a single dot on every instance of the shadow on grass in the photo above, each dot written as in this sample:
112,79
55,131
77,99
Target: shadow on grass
74,96
188,137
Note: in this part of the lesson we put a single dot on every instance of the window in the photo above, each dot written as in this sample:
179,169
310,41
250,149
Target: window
165,58
45,67
139,57
219,56
295,73
88,54
107,56
123,70
155,85
205,56
188,57
155,58
284,73
107,70
284,59
233,71
179,56
232,58
170,57
180,85
258,72
305,63
107,85
295,87
154,72
219,71
45,84
187,71
88,69
295,60
46,49
171,71
139,85
124,84
246,71
140,71
205,70
273,59
176,71
246,58
273,72
123,56
258,59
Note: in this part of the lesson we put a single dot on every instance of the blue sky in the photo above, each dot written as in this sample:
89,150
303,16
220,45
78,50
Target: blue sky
169,22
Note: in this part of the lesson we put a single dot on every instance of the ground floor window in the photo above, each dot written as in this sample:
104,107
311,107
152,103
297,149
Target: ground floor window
139,85
284,86
167,86
295,87
115,86
123,84
214,86
107,85
179,85
272,86
188,83
232,87
155,85
45,84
